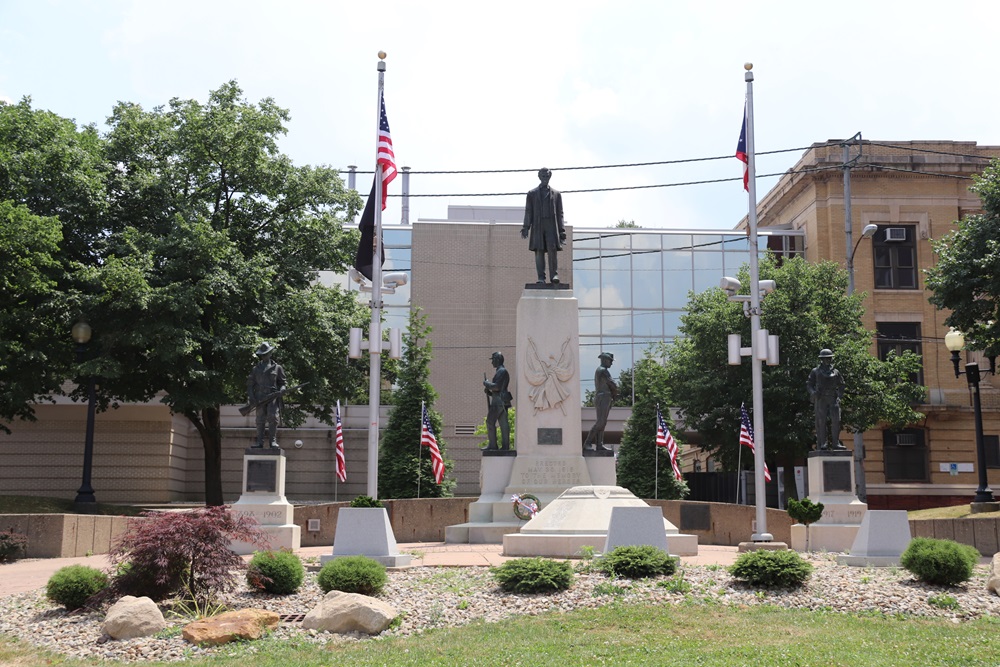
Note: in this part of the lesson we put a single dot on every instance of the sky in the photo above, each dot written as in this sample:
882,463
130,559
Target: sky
520,85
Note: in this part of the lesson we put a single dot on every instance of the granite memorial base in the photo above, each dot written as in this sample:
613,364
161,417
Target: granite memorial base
263,498
831,482
366,531
881,540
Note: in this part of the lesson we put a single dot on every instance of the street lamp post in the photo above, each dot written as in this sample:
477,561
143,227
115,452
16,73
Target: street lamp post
983,501
85,499
860,486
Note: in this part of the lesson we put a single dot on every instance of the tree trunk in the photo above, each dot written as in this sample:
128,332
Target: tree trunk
209,427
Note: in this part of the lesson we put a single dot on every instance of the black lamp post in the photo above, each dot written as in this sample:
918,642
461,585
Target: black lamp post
955,341
85,499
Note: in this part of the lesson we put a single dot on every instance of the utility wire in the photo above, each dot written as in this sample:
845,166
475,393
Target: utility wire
928,150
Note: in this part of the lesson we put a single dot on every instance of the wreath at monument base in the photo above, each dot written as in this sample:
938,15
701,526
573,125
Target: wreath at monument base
526,506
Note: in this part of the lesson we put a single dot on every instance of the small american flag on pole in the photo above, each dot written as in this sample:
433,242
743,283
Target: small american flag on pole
428,440
741,151
341,467
666,440
746,436
384,155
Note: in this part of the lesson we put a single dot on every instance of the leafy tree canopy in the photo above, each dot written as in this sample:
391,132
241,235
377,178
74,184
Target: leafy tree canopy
966,277
809,311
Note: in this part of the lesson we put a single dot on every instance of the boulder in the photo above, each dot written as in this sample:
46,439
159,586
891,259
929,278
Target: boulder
350,612
993,583
132,617
230,626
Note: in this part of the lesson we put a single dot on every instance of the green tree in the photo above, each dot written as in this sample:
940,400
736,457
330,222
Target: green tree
637,463
52,197
809,311
626,224
218,240
966,276
511,420
401,457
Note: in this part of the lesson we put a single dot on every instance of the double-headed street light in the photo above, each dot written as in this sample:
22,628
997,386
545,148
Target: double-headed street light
85,499
955,341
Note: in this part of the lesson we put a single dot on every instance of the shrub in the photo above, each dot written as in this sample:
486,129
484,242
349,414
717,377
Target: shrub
637,562
277,572
171,552
940,562
366,501
73,585
353,574
11,544
533,575
783,568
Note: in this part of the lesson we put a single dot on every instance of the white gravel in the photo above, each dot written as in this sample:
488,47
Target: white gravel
432,597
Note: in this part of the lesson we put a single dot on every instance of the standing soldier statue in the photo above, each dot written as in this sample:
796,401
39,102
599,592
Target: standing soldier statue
605,392
265,387
498,399
826,388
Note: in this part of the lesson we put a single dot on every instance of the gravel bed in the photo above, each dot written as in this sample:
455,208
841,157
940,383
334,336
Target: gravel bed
445,597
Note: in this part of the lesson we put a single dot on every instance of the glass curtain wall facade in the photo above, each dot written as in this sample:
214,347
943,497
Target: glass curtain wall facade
633,284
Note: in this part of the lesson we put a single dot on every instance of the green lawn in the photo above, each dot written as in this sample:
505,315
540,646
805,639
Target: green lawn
688,634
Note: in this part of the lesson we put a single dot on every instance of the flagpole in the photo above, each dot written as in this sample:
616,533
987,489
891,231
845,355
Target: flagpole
739,471
375,330
656,465
760,491
420,446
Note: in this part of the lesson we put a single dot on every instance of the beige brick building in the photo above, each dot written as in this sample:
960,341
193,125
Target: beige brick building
914,191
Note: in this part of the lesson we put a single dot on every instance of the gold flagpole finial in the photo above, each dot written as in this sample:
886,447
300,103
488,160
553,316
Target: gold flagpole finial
746,66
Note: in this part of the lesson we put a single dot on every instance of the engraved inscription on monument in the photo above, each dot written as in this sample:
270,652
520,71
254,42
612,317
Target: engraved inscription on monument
695,517
837,476
550,436
262,476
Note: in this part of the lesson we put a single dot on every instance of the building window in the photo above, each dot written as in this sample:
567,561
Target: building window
895,248
899,337
905,455
992,445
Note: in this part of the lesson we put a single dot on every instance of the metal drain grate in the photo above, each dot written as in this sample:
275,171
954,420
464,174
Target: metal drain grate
292,618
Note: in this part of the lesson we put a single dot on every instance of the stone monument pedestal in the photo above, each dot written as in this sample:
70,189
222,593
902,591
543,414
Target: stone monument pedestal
831,482
263,498
881,540
366,531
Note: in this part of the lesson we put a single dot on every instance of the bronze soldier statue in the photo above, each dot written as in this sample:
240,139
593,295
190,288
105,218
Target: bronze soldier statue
499,402
543,226
605,392
265,385
826,388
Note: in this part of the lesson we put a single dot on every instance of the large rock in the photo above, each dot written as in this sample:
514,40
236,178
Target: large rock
132,617
230,626
993,583
350,612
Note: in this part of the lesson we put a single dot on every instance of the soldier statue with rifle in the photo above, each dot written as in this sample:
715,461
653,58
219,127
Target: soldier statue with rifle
265,388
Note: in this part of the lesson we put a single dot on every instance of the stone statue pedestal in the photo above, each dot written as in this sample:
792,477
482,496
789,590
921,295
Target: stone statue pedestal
263,498
366,531
831,482
549,457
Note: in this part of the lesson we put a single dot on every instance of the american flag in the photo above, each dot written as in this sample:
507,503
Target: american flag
746,436
664,439
741,151
385,157
341,467
428,440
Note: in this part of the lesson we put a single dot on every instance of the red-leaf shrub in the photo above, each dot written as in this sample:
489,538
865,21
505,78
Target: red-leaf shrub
169,552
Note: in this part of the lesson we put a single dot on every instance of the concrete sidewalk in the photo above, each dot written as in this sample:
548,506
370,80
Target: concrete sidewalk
28,575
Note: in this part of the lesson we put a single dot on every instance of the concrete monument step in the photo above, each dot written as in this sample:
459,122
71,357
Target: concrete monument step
481,532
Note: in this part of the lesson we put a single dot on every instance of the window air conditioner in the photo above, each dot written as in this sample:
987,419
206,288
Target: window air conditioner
895,234
905,439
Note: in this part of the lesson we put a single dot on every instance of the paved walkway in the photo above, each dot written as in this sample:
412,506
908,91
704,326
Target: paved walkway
28,575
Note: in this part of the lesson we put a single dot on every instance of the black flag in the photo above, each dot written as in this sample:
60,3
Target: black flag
366,250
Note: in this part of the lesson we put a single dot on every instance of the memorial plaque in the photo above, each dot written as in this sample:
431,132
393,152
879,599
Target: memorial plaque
262,476
696,517
837,476
550,436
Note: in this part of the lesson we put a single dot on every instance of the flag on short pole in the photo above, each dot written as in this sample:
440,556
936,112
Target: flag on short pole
341,467
746,436
741,151
428,440
666,440
385,158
